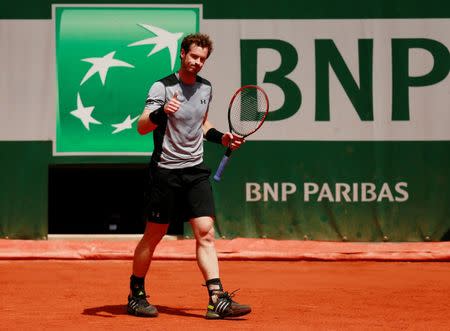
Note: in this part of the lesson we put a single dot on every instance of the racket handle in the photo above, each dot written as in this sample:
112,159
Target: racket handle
222,165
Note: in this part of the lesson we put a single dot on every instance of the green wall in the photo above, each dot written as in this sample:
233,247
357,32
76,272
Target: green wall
24,189
24,185
423,166
253,9
24,194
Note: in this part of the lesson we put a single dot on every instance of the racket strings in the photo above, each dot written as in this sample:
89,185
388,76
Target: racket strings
248,111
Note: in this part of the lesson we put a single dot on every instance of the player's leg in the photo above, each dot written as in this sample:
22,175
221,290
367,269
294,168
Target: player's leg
220,303
161,200
143,253
137,300
207,261
201,203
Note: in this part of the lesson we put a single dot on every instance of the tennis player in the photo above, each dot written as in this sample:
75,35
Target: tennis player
176,112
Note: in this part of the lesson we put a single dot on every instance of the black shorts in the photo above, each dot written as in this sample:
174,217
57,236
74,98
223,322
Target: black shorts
177,195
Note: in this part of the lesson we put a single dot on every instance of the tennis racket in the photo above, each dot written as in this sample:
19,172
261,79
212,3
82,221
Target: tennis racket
247,112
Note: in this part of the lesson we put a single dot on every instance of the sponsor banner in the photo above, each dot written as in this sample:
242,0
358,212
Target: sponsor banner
367,79
358,191
338,79
107,58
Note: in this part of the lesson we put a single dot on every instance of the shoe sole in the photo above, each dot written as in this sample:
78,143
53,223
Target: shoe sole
211,315
138,314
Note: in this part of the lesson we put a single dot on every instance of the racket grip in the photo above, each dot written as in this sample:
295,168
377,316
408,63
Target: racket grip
222,165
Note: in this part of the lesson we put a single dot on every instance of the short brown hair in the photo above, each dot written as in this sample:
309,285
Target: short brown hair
199,39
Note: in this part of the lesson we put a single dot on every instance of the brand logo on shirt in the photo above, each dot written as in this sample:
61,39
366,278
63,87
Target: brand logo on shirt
107,57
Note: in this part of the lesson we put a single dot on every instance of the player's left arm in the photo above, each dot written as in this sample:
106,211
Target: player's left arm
227,139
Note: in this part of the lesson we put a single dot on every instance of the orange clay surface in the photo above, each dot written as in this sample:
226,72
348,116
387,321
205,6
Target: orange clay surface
91,295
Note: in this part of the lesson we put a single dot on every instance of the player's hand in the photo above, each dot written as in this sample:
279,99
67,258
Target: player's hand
232,140
173,105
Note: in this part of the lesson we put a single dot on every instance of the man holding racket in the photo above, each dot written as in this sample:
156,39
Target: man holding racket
176,112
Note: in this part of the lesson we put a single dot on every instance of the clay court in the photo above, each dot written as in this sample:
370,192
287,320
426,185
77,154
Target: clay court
334,214
339,286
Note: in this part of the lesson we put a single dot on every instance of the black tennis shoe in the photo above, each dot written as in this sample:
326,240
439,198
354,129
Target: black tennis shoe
139,306
222,306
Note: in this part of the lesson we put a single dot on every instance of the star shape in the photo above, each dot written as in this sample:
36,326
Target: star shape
163,39
126,124
84,113
101,66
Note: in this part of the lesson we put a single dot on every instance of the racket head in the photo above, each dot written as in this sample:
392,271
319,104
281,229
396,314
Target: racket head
247,110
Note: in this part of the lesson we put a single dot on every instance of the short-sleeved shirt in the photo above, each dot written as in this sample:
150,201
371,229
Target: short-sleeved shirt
178,141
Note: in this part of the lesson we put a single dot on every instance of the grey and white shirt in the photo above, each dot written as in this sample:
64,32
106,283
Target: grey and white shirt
178,142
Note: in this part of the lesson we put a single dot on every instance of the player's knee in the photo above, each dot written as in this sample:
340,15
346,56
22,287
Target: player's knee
206,236
152,238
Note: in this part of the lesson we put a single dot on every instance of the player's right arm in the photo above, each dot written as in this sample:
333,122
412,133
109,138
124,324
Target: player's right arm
156,99
156,108
155,102
144,125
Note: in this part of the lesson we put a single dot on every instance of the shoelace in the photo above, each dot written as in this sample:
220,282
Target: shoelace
227,295
143,300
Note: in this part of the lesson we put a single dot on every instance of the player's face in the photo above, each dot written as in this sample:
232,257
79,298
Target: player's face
194,60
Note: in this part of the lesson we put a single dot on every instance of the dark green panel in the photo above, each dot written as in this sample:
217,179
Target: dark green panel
24,185
23,194
254,9
425,215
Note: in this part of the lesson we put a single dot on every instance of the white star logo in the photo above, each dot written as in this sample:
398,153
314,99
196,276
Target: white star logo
126,124
163,39
102,65
84,113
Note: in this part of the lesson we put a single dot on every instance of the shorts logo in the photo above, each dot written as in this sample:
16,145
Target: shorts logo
203,102
106,57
